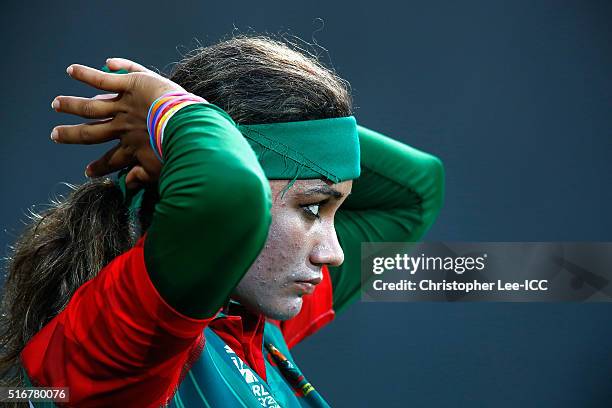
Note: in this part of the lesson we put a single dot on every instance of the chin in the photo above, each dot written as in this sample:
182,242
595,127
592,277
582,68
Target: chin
284,310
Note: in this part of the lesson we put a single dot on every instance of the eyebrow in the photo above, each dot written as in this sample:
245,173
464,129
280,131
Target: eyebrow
325,190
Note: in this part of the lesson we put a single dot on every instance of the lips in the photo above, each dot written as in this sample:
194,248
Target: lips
307,286
313,281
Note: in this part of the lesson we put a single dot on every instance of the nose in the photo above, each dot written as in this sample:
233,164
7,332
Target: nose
328,250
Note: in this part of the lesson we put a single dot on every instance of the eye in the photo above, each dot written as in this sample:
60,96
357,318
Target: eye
312,209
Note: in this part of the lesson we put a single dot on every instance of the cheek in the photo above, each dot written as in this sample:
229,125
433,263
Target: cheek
288,230
285,252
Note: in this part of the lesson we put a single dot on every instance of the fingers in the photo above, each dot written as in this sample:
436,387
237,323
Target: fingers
137,176
99,79
116,64
85,133
115,159
98,107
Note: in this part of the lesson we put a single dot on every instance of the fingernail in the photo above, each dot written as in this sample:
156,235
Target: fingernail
54,135
109,60
55,104
86,171
69,70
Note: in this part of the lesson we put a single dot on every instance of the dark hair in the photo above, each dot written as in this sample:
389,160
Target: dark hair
256,79
260,80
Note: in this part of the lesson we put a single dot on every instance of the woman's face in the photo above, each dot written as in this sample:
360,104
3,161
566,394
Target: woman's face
301,239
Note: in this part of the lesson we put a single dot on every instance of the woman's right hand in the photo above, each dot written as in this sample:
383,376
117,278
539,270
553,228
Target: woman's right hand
121,116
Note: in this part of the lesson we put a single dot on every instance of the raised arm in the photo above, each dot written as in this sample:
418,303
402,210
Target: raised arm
396,199
126,335
213,216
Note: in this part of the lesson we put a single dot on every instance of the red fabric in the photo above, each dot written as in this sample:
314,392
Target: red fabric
119,341
243,332
316,312
116,341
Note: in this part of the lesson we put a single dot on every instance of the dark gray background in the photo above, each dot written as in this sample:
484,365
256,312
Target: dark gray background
513,96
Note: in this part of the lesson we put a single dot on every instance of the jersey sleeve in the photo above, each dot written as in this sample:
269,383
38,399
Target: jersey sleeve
127,336
214,213
396,199
117,341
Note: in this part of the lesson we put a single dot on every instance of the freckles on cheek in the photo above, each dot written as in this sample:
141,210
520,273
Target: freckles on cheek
287,228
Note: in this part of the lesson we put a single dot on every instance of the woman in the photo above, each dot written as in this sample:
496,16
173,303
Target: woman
222,246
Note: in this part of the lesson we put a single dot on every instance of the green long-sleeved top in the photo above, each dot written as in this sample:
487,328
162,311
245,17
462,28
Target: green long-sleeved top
214,212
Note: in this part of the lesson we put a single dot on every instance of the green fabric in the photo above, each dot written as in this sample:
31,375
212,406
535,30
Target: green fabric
310,149
213,216
214,380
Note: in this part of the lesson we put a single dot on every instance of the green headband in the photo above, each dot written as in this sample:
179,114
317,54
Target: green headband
310,149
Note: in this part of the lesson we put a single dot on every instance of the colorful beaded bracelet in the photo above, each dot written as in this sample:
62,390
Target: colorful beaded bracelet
160,112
